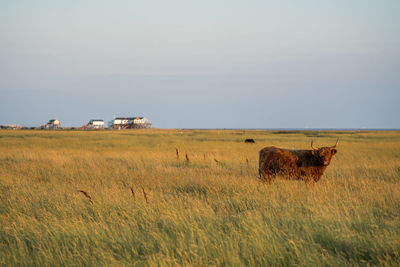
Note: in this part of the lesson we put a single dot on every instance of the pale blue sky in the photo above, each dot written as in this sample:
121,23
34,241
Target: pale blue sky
202,64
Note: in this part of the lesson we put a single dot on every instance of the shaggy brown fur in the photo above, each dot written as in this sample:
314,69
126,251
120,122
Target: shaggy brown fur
308,165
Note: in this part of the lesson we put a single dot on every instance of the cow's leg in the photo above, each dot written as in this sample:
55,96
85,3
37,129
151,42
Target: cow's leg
269,174
309,181
264,172
316,179
261,170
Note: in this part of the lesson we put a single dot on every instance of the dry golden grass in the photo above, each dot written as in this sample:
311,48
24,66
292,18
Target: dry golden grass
153,206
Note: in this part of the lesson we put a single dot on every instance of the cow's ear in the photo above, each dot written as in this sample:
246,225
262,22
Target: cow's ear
315,152
334,151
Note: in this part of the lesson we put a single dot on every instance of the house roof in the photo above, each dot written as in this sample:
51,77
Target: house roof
128,118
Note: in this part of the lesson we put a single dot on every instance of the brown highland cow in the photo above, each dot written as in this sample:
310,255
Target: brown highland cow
308,165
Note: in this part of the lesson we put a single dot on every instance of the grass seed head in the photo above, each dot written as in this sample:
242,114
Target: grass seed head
86,195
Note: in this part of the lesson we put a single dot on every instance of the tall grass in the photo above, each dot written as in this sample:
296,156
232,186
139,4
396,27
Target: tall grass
210,210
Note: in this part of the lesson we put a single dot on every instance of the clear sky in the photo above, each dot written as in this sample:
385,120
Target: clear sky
202,64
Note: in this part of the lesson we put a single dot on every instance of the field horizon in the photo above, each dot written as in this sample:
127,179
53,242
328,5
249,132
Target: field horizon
189,197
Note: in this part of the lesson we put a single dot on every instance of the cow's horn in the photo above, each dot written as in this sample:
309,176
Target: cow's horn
337,142
313,147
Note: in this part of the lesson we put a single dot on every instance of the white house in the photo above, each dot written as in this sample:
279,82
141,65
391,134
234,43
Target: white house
96,124
130,122
52,124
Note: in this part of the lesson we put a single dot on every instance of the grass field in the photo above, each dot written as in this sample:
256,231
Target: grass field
210,210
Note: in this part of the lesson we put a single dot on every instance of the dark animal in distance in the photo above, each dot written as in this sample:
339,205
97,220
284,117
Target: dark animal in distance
249,140
308,165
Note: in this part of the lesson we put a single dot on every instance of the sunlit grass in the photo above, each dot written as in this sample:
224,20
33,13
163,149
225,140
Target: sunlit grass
212,210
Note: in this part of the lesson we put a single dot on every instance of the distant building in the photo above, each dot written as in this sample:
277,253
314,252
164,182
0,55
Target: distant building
10,126
94,124
129,123
52,124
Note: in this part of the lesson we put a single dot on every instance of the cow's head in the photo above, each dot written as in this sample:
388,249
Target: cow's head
324,154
